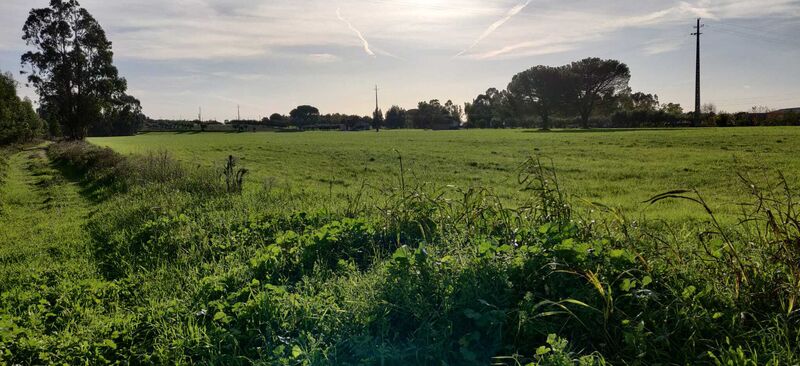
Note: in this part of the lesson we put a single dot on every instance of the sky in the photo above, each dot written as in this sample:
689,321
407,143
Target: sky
268,56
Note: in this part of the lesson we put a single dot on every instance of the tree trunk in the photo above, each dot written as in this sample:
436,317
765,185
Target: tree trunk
585,120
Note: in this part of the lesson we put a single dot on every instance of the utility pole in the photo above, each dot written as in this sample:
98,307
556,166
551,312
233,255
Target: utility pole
200,114
697,76
376,97
238,113
375,115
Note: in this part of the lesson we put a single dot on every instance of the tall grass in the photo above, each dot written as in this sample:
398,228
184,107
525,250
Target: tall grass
418,274
3,166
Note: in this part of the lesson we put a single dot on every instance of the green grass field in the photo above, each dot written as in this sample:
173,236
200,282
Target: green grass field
125,257
618,168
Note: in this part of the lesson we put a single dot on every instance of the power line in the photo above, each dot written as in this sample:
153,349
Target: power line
752,29
760,37
770,101
771,97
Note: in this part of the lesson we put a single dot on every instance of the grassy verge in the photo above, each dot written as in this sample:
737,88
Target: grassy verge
409,274
55,307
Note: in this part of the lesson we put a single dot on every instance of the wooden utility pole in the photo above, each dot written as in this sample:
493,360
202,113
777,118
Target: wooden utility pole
376,97
376,122
697,76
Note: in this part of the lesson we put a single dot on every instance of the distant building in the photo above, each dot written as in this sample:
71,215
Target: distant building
357,126
448,124
781,112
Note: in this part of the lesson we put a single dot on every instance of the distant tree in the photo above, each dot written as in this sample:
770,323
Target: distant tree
330,120
595,81
542,91
366,121
724,120
743,119
350,122
480,111
760,109
395,117
122,117
346,122
673,109
278,120
304,115
377,120
642,102
432,114
492,109
18,121
71,66
455,111
709,108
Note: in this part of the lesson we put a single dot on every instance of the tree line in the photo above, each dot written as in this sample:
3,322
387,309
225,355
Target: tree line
431,114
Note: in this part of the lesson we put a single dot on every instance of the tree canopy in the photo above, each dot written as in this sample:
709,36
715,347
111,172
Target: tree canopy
490,109
18,121
435,115
395,117
377,119
597,81
542,91
71,68
304,115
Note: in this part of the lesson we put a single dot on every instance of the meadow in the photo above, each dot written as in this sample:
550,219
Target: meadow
618,168
505,247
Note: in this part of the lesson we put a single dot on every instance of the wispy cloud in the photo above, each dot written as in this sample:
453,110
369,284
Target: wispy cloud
240,76
543,46
356,31
659,46
497,24
323,58
576,28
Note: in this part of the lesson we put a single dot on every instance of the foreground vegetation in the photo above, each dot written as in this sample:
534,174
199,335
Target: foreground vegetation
150,261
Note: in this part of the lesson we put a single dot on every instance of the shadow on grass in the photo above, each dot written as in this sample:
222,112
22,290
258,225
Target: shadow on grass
580,130
96,191
176,132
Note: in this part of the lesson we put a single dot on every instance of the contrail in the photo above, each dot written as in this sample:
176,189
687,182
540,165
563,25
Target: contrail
356,31
511,13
